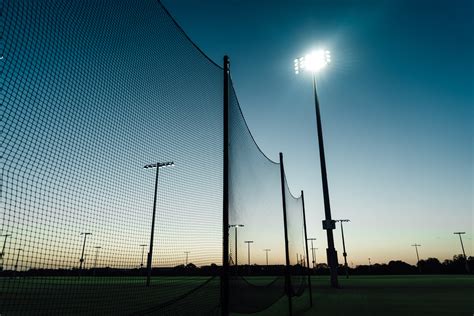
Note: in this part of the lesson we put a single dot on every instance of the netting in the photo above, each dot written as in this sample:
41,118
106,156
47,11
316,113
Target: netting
254,202
297,247
92,91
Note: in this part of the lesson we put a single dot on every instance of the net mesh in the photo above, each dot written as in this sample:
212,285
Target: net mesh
91,92
255,202
297,248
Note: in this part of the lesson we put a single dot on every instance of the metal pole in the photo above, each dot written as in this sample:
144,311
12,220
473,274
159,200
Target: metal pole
2,254
96,257
313,255
187,253
463,252
152,235
225,198
344,251
307,254
83,248
328,224
143,251
236,262
287,254
248,255
266,254
17,257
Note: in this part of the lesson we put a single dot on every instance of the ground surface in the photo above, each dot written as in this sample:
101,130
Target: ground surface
359,295
392,295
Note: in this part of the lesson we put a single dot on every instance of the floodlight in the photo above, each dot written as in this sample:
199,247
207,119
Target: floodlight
314,61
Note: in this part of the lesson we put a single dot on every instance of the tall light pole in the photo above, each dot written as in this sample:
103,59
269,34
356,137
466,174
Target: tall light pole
17,257
187,253
236,226
416,248
248,242
463,252
344,253
315,62
266,254
83,248
2,254
417,256
143,251
312,252
370,266
157,165
96,256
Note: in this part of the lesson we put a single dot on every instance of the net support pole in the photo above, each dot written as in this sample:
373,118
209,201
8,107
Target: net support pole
287,254
225,209
307,252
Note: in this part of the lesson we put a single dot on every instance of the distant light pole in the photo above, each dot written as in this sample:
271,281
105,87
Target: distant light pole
143,251
157,165
17,257
96,257
236,226
312,252
315,62
187,253
370,266
344,253
248,242
83,248
416,248
2,254
315,261
266,254
463,252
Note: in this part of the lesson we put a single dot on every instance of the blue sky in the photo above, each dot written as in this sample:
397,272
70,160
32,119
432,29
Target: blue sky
397,110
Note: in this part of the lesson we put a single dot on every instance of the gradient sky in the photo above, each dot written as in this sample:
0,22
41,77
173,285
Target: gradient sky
397,110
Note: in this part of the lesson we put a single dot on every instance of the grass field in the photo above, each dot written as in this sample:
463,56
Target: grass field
395,295
359,295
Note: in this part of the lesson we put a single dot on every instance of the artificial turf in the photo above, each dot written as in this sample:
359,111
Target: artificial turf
358,295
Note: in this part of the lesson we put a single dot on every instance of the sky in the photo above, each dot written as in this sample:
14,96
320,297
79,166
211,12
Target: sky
396,105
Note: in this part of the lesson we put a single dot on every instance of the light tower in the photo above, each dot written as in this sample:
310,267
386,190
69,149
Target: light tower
463,252
156,166
81,261
2,254
344,253
312,252
314,63
236,226
266,254
248,242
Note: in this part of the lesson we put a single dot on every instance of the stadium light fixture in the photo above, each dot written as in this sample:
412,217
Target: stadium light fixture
83,248
312,251
463,252
248,242
236,226
2,254
266,254
157,165
344,253
143,251
314,62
